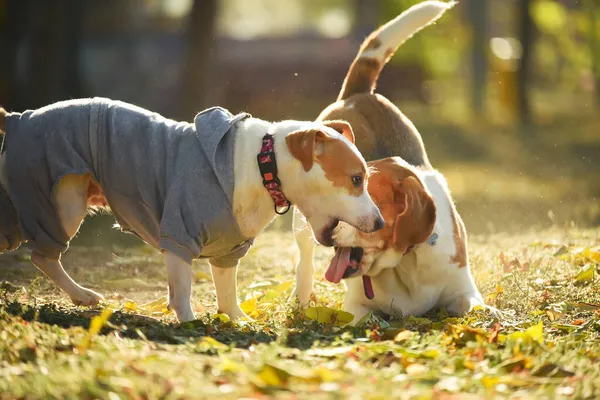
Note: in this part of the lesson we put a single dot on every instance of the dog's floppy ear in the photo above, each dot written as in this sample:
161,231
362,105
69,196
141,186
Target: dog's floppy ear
305,146
342,127
416,214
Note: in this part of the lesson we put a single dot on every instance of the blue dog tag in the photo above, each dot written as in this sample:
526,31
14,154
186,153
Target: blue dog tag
432,239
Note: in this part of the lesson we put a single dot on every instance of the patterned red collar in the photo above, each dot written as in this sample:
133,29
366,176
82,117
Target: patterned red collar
268,170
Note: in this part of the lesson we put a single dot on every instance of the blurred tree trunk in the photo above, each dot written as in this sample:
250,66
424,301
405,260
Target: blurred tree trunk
198,58
526,37
592,12
73,34
53,39
478,18
13,28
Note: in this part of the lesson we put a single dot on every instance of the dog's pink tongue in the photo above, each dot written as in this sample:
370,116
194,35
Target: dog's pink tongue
339,265
368,286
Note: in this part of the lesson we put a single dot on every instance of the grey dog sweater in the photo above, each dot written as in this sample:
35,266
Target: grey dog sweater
168,182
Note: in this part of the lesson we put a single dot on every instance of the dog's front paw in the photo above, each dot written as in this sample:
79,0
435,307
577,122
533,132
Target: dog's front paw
464,304
235,314
494,311
301,299
467,304
86,297
183,310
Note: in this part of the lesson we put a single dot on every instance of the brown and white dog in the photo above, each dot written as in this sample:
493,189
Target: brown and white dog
419,260
320,169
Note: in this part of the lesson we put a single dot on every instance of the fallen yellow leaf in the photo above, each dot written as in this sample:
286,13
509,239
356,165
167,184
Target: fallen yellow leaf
534,333
207,342
130,306
326,315
552,315
96,325
490,382
462,334
222,317
155,305
586,274
202,276
582,256
272,376
228,365
403,336
249,305
275,292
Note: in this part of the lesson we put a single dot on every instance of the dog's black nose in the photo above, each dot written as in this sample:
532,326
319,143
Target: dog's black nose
379,223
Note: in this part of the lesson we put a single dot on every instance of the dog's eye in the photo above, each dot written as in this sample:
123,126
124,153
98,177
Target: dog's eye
357,180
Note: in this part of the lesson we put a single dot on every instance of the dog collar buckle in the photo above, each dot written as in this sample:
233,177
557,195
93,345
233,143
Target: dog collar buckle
267,164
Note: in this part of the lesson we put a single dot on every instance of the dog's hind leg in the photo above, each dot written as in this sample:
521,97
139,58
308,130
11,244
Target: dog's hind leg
71,204
55,271
305,269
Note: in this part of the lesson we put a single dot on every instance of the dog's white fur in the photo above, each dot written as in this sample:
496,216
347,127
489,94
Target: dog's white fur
390,35
424,278
251,203
311,192
397,31
404,284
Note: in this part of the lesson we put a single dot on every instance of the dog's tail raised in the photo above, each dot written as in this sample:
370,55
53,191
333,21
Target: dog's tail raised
3,114
381,45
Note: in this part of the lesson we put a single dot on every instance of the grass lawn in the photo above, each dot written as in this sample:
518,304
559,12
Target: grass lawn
547,346
545,280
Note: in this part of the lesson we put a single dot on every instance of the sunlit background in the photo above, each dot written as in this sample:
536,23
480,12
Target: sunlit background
504,92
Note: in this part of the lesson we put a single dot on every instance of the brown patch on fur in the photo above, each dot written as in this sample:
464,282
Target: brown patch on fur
380,129
406,207
302,145
3,115
342,127
364,72
460,240
414,224
372,43
95,195
361,78
340,164
338,160
389,53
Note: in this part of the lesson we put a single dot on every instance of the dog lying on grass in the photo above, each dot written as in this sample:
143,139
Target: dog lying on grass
192,190
419,260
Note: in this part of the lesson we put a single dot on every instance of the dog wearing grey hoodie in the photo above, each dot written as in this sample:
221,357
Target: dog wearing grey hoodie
191,190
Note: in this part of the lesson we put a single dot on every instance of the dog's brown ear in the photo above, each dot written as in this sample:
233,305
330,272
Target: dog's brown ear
305,146
342,127
416,214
